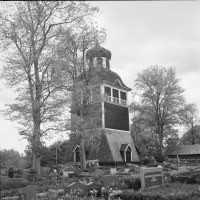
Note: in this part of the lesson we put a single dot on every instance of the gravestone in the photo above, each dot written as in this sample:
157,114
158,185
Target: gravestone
30,192
99,171
78,186
25,174
66,173
85,173
113,170
10,173
151,177
182,169
127,170
73,175
109,180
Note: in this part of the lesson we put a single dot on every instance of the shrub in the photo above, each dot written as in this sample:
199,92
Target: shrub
172,191
12,183
187,177
132,182
32,171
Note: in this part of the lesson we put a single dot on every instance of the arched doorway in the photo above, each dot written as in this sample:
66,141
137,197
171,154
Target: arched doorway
128,155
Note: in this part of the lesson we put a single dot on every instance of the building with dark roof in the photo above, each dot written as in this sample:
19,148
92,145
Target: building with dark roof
116,144
184,151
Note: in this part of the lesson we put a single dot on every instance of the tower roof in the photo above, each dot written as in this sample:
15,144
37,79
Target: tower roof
98,51
112,78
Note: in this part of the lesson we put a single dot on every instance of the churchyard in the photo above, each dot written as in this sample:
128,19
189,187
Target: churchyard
172,180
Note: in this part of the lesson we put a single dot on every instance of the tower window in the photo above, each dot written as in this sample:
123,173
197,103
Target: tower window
123,95
108,93
115,96
107,64
123,98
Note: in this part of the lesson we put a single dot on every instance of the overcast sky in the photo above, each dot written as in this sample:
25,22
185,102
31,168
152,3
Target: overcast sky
140,34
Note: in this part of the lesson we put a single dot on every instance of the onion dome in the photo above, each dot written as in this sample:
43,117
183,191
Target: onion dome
98,51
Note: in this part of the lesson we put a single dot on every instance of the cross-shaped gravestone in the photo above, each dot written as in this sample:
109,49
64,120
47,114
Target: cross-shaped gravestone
30,192
109,180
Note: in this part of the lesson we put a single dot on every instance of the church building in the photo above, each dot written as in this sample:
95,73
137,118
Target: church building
116,145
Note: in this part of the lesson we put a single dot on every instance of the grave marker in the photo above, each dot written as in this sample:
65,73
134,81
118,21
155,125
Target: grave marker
73,175
151,177
182,169
30,192
113,170
99,171
66,173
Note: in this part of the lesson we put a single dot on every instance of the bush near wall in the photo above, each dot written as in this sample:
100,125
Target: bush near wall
169,191
8,183
187,177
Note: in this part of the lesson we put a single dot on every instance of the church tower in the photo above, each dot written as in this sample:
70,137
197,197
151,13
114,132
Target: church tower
116,144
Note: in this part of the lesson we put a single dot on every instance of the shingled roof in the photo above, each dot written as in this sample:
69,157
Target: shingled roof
111,77
183,150
111,143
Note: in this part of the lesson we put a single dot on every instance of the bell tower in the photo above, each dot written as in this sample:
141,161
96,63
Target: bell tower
116,144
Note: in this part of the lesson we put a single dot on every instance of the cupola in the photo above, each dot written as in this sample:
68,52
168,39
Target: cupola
99,56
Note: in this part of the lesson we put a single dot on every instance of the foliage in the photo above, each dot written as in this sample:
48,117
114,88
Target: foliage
132,182
85,109
191,136
12,158
160,101
12,183
188,177
169,191
190,117
30,33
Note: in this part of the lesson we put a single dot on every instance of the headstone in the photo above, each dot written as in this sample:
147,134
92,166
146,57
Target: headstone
126,170
182,169
84,188
151,177
10,173
109,180
25,174
73,175
85,173
30,192
66,173
99,171
113,170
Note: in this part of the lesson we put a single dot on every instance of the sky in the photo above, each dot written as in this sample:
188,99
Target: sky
140,34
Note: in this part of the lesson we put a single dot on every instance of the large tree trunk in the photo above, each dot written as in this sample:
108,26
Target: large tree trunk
193,134
82,155
36,162
36,146
160,134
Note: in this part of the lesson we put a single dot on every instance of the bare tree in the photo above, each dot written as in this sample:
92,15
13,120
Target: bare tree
160,99
29,32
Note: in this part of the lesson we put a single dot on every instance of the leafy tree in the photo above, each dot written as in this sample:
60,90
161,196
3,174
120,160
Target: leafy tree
193,138
160,99
172,137
86,97
29,32
190,117
12,158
